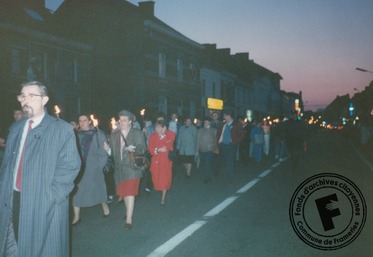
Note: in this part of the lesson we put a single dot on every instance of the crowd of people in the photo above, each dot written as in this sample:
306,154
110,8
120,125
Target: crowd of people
59,161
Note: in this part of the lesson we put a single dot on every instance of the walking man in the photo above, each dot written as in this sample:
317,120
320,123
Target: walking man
40,164
206,144
296,140
230,135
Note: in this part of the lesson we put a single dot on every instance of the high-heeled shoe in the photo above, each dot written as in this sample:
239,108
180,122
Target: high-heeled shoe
77,222
128,226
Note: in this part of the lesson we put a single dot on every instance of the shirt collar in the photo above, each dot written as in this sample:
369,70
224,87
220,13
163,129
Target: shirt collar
36,121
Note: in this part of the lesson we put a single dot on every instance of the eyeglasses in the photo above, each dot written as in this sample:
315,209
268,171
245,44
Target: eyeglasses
23,97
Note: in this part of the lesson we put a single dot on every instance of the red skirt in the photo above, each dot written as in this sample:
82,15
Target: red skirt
128,187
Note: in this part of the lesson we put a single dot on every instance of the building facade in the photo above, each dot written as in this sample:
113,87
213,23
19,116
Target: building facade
30,51
244,86
139,61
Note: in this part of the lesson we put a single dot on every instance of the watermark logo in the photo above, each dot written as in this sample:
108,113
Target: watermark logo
327,211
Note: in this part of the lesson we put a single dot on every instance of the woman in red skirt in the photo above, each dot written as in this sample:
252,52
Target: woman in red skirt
160,143
124,142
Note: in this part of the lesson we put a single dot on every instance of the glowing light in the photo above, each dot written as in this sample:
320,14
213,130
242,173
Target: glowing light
249,115
142,112
57,110
94,121
113,124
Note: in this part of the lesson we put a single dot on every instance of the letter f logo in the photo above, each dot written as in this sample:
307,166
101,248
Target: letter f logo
327,210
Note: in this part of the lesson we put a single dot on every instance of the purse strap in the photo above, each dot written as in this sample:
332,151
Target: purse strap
132,155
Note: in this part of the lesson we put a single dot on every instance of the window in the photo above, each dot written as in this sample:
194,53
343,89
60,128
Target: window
16,62
203,88
35,67
72,71
162,65
162,107
45,65
179,64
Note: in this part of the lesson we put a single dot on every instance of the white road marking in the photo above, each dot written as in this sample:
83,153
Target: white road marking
168,246
265,173
177,239
277,164
248,186
216,210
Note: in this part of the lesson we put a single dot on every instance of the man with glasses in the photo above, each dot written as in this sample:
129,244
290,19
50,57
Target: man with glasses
40,164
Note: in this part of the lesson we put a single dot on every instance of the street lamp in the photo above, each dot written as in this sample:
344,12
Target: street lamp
364,70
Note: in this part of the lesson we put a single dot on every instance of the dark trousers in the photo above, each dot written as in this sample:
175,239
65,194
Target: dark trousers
228,156
147,179
110,183
16,211
244,151
206,164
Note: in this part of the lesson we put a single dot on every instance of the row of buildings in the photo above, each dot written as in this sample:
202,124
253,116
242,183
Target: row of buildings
101,56
344,108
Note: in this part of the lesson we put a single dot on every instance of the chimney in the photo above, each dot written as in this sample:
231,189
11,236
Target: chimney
242,56
224,51
147,8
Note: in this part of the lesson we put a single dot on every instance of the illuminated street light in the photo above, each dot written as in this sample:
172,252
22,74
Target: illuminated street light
351,109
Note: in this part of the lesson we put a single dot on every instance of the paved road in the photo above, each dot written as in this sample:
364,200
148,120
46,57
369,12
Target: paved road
220,219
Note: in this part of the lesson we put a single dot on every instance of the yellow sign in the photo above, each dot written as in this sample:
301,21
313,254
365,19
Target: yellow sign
215,104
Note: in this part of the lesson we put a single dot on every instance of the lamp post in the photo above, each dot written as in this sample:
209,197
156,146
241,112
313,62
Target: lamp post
364,70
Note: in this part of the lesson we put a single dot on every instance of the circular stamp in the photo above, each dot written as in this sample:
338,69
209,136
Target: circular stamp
327,211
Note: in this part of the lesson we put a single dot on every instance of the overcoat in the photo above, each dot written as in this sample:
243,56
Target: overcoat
91,187
123,166
187,140
161,166
50,164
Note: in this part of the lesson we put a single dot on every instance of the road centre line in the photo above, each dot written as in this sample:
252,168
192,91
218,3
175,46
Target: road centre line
216,210
177,239
277,164
265,173
248,186
168,246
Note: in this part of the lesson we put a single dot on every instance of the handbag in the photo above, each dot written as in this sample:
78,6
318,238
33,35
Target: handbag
109,166
139,162
172,155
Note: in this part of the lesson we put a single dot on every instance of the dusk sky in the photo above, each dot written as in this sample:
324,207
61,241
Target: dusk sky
315,45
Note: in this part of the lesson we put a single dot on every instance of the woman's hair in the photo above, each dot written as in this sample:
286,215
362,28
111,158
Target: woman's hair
161,123
127,114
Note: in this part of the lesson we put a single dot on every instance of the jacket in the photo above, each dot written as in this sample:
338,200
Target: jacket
237,134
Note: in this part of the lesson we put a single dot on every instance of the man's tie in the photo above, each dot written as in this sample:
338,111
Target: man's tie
19,171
